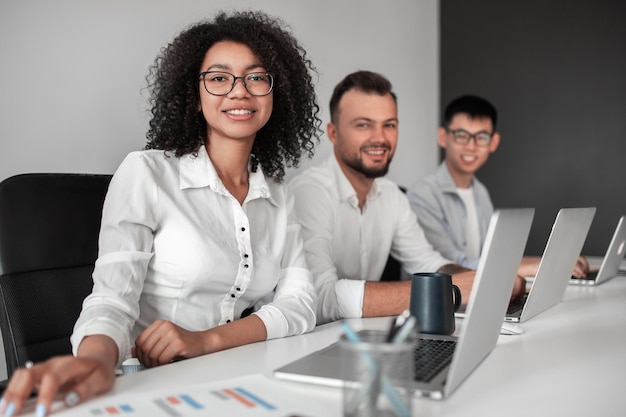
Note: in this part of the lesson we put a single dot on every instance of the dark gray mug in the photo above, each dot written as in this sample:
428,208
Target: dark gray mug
434,299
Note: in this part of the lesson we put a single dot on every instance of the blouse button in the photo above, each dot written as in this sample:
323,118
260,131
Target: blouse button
228,321
246,266
238,289
245,255
243,229
232,295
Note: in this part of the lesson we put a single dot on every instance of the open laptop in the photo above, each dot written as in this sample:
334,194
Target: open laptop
491,291
565,243
611,263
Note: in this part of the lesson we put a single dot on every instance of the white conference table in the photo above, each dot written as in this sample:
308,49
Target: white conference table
570,361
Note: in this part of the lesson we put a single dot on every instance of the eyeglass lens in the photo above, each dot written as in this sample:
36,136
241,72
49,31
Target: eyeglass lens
222,83
463,137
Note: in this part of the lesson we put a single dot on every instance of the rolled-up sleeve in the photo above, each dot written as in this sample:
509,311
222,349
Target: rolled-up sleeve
336,298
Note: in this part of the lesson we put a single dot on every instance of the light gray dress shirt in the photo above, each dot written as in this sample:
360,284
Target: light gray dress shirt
176,245
442,214
346,246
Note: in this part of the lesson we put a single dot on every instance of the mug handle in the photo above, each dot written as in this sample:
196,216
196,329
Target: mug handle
457,297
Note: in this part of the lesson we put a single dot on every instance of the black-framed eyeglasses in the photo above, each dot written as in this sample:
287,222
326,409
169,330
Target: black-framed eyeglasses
462,137
220,83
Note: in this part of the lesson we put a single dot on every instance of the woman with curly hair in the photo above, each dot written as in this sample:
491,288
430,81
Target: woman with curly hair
199,246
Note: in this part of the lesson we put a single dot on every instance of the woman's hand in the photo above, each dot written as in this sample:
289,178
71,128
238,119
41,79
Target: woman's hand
163,341
76,378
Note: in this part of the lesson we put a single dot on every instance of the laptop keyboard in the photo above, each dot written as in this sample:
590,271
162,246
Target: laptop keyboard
590,276
431,356
516,305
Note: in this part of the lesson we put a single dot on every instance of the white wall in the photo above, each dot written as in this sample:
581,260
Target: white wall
72,73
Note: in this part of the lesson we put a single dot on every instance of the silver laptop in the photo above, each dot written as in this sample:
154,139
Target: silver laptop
565,243
502,253
612,261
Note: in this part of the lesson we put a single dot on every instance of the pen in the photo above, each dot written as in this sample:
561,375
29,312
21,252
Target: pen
396,324
405,330
391,393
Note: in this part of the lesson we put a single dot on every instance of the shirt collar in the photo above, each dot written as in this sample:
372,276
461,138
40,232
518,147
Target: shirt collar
345,188
198,171
444,178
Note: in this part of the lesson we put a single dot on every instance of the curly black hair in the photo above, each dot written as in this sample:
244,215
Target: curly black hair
176,125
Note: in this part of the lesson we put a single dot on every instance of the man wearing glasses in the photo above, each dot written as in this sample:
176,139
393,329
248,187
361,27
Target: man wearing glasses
353,218
451,205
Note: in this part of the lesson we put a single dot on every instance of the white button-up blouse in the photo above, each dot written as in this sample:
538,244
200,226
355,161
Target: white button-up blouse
176,245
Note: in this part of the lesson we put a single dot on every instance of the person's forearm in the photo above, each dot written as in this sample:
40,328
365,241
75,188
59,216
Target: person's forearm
99,347
529,265
452,269
386,298
237,333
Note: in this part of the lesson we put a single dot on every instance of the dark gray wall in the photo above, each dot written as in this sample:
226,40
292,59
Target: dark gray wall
556,71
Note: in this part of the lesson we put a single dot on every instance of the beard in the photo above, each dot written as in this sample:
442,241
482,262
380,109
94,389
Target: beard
375,172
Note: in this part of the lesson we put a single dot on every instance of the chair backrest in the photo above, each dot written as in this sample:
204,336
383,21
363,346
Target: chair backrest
393,268
49,226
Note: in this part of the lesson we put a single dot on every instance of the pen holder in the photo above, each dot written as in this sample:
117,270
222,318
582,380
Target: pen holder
377,375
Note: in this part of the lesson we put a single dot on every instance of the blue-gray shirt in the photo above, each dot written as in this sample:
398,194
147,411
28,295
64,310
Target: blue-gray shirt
443,217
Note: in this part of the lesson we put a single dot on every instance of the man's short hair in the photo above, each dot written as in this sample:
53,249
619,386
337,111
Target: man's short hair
365,81
474,106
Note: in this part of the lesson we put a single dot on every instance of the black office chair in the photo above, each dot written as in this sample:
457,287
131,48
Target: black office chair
393,268
392,271
49,226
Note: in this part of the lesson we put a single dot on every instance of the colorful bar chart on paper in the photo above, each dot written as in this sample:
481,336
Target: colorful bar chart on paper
236,397
112,410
